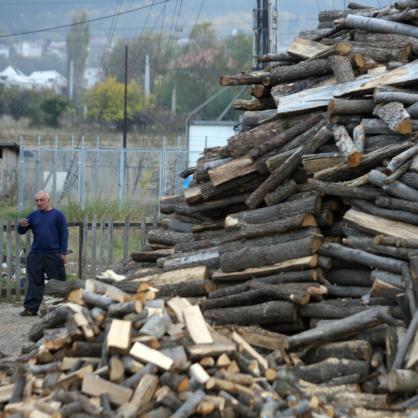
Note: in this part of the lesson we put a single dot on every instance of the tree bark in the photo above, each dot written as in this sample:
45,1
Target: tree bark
393,203
281,193
390,96
164,237
265,313
264,103
283,172
395,116
370,161
359,138
396,242
378,25
410,179
341,67
342,328
254,77
247,257
396,162
363,257
52,319
309,205
396,189
404,344
331,368
349,277
351,107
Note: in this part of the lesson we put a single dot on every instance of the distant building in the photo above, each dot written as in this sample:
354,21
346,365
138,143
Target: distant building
38,80
29,49
9,160
4,51
57,48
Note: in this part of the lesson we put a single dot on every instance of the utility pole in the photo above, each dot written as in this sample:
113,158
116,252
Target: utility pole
147,77
71,81
125,101
264,29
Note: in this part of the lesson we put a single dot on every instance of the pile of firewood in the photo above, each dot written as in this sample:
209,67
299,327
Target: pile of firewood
110,353
298,241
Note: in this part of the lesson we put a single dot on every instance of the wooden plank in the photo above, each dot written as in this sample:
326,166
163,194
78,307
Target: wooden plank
379,225
96,386
296,264
196,325
6,392
320,96
179,305
119,336
148,355
177,276
306,48
244,346
232,169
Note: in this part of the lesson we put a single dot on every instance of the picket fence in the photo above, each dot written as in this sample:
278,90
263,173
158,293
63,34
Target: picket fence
95,245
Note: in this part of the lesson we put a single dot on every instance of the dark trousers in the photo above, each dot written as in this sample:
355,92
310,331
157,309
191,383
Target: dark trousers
37,265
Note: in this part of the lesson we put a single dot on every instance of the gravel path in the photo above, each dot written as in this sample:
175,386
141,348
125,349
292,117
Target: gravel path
13,328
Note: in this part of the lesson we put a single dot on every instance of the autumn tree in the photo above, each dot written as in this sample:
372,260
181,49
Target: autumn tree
105,101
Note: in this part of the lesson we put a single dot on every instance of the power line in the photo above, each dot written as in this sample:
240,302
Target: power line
136,9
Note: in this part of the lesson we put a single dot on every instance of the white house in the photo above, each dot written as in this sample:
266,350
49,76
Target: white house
4,51
91,77
29,49
51,80
12,77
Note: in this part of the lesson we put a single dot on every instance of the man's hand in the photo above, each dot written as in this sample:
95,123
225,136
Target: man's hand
24,222
64,258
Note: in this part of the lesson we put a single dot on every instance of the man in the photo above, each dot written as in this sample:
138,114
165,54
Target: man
49,249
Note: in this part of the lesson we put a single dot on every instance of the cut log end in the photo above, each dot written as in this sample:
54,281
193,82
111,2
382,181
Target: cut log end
309,220
404,127
355,158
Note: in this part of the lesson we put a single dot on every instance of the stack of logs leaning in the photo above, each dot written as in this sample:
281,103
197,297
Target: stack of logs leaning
298,241
306,223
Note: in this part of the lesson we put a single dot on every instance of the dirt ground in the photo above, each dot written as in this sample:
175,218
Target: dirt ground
13,328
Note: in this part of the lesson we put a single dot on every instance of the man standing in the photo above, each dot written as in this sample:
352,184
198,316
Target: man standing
49,249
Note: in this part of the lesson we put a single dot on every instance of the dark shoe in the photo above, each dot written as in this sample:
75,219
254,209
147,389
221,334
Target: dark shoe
27,313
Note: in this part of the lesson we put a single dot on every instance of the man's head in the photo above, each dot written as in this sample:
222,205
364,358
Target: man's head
42,200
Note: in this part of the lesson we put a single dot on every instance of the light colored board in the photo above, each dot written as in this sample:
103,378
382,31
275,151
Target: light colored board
148,355
306,48
96,386
248,349
232,169
383,226
119,336
178,305
177,276
197,326
6,392
320,96
298,263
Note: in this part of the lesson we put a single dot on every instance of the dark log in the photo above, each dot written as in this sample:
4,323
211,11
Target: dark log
240,79
331,368
354,5
282,173
268,254
351,107
287,328
397,188
370,161
187,289
150,256
410,179
332,309
394,214
396,242
52,319
399,172
349,277
307,205
265,313
313,68
159,236
283,56
378,141
285,224
343,327
379,127
259,91
346,291
255,104
392,96
86,349
400,159
59,288
337,189
287,135
363,257
413,110
168,203
351,350
281,193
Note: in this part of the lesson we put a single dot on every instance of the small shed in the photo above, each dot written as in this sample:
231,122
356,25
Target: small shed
9,164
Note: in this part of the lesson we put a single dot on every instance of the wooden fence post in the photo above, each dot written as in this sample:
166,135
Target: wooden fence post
80,249
94,244
126,238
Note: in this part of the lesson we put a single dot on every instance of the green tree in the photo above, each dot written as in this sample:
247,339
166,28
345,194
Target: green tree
78,39
106,99
53,108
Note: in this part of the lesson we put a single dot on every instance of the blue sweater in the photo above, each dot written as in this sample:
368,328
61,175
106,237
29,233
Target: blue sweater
50,232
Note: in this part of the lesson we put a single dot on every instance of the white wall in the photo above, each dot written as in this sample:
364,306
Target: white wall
210,135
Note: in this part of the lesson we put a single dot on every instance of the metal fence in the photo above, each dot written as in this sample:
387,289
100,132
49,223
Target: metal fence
79,173
96,245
